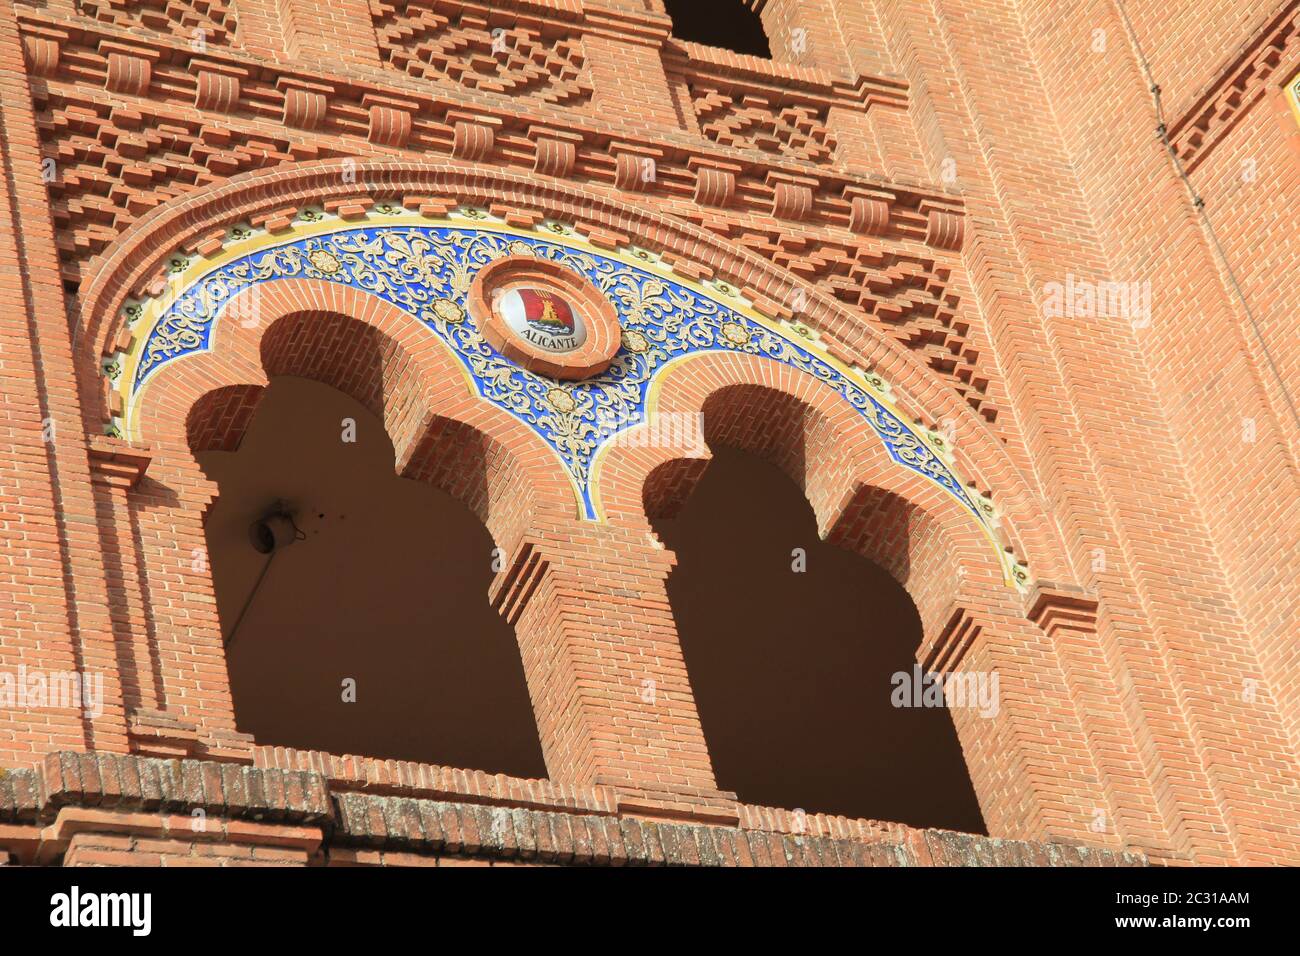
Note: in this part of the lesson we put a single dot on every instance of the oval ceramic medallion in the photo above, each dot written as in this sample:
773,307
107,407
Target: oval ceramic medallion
545,315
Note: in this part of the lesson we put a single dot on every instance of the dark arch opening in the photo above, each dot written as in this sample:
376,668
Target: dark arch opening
730,24
792,671
388,588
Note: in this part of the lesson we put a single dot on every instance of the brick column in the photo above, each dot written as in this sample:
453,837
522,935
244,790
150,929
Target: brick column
1028,759
319,34
194,709
605,670
622,47
116,468
1023,733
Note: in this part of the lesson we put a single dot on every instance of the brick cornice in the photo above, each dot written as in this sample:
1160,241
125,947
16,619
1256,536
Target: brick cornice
404,778
629,26
512,589
328,101
134,783
1053,606
41,810
1237,85
694,61
946,654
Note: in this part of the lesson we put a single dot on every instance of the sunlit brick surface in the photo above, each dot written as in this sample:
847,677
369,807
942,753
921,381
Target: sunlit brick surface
965,198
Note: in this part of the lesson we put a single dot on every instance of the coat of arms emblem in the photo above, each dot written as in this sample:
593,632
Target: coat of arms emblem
543,318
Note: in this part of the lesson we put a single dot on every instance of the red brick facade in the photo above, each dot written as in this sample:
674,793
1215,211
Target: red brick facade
917,186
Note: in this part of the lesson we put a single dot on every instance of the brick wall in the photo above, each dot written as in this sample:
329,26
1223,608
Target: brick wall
918,176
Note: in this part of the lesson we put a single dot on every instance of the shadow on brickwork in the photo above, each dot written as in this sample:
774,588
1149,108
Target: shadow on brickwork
388,588
791,671
729,24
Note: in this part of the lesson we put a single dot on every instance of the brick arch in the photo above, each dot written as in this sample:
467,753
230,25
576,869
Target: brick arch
365,347
219,420
862,499
564,574
378,354
972,622
135,266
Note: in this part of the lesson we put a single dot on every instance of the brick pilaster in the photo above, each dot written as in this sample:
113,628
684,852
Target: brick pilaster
53,603
605,670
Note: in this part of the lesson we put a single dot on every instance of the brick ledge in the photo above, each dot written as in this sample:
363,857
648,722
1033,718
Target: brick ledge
72,792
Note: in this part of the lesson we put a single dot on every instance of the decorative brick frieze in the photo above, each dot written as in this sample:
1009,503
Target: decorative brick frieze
218,85
42,45
715,182
944,229
274,104
792,196
305,103
474,136
556,150
636,166
463,44
907,296
130,67
390,119
688,263
868,214
199,22
774,108
751,121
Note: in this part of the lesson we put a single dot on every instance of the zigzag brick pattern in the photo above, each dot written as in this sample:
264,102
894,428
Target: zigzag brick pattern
461,45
